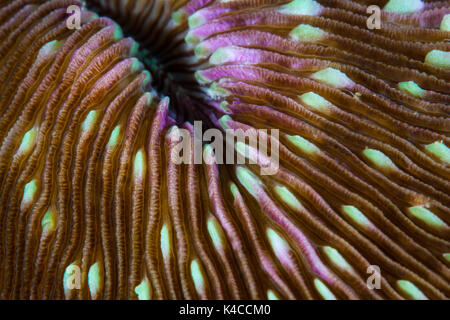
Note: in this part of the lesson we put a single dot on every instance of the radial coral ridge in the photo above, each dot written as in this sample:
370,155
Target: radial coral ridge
89,186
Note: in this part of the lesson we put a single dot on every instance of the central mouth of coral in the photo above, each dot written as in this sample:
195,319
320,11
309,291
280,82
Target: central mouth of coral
164,52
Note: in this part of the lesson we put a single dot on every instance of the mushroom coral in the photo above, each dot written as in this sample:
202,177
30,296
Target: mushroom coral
93,203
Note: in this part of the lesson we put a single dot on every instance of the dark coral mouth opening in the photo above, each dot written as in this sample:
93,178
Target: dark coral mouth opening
165,53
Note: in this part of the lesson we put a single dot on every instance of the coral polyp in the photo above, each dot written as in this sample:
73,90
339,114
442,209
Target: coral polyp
95,205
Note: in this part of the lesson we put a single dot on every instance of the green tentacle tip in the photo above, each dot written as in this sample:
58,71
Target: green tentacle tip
301,7
197,276
306,33
224,106
242,148
143,290
174,130
445,23
28,140
411,290
118,32
28,192
216,91
94,279
214,233
224,121
179,16
165,241
316,101
247,179
48,222
288,197
134,49
201,51
51,46
333,77
139,163
234,190
323,290
279,245
220,56
190,38
196,20
337,258
439,150
378,158
147,77
135,64
166,101
149,97
114,137
271,295
200,78
447,256
90,121
427,216
403,6
71,278
356,216
303,144
411,88
438,58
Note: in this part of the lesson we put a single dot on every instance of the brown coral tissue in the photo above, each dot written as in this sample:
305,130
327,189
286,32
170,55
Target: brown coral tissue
97,96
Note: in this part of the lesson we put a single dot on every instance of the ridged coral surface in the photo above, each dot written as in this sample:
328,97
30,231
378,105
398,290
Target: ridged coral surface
89,183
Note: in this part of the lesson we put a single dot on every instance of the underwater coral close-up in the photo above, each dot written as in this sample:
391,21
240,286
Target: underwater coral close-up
98,200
